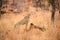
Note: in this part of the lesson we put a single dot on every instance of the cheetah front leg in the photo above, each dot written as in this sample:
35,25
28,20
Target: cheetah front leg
25,20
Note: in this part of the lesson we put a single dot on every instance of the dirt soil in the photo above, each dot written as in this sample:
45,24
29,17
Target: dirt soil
38,26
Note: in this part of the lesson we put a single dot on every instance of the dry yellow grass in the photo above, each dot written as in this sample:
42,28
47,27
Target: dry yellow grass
39,17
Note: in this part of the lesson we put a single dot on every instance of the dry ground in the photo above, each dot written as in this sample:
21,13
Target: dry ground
39,17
